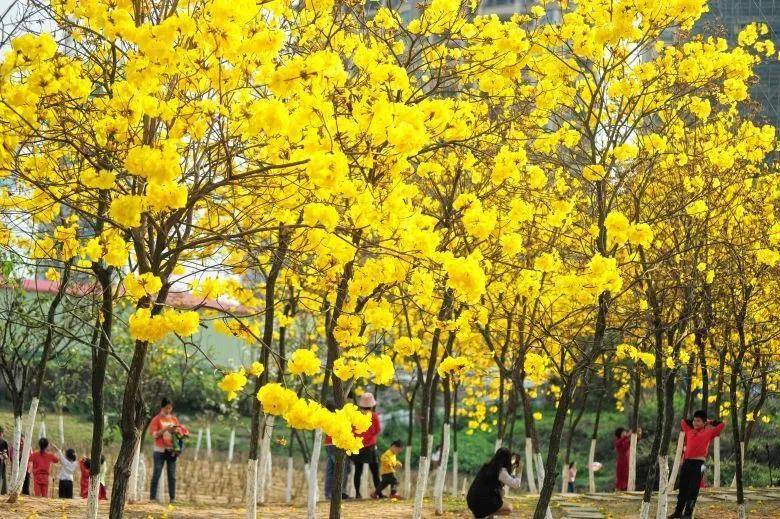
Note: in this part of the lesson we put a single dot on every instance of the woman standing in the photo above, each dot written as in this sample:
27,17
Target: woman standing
163,428
367,454
485,497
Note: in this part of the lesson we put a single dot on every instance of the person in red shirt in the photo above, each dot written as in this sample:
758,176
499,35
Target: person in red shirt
84,467
40,467
367,454
699,432
622,445
162,428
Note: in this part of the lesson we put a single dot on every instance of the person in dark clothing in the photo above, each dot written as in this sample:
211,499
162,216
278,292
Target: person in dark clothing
485,496
699,432
3,457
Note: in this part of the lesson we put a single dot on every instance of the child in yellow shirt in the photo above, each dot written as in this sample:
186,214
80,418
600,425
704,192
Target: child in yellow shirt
388,463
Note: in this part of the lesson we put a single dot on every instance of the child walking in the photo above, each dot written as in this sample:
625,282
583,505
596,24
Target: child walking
388,463
571,477
40,467
699,432
68,466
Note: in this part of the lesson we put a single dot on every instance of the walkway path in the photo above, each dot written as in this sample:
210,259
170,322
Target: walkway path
762,503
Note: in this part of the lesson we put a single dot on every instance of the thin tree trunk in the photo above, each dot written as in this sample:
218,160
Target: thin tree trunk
42,363
313,487
545,493
99,364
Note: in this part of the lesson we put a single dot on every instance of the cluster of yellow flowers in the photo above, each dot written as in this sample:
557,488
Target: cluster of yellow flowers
153,328
378,368
301,413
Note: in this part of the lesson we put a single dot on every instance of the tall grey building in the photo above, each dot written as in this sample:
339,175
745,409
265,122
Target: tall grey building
727,18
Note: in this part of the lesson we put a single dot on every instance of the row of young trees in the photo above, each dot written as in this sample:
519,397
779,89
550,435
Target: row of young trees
487,205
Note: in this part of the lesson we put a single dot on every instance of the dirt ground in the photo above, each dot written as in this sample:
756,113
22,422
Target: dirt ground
760,507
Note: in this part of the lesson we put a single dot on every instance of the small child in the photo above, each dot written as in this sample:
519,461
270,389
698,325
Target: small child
388,464
67,470
699,432
84,465
571,477
40,467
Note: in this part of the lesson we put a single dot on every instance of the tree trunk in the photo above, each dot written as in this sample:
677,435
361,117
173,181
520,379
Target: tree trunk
313,487
45,353
634,426
545,493
135,472
441,474
99,364
265,452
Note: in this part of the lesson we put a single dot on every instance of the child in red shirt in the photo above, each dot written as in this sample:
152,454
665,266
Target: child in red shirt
699,432
40,467
84,465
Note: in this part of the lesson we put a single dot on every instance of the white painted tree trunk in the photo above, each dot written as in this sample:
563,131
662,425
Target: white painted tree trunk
539,470
62,431
464,489
351,490
208,442
529,465
289,483
677,459
564,473
663,487
134,473
741,511
22,471
231,445
644,511
540,475
455,473
742,452
265,448
632,462
498,445
408,472
311,510
141,477
93,496
364,489
422,483
251,488
269,475
17,440
42,430
161,484
716,457
441,474
197,444
591,472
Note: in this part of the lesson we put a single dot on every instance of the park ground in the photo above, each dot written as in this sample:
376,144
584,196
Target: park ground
762,504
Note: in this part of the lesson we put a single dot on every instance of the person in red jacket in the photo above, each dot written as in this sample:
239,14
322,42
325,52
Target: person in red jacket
40,467
699,432
622,445
164,428
368,453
